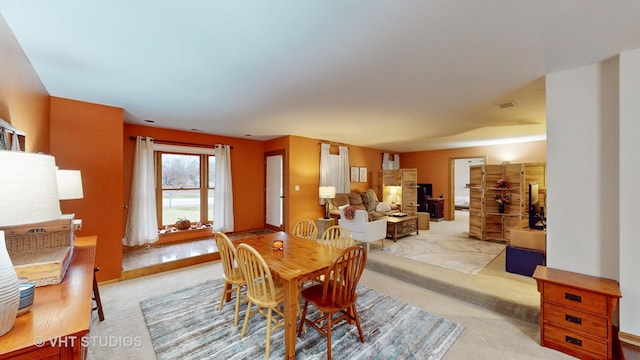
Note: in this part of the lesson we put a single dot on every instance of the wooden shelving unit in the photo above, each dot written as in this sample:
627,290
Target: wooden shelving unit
485,220
406,183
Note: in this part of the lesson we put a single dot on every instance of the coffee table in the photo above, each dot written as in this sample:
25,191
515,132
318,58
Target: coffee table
401,226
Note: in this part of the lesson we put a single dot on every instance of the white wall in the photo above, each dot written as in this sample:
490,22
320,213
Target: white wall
629,191
591,150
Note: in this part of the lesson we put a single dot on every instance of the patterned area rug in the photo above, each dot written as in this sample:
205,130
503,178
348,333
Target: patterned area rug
447,251
186,324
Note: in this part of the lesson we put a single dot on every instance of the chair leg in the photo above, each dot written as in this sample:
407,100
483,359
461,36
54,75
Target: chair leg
246,319
303,318
268,332
96,295
237,304
357,318
329,316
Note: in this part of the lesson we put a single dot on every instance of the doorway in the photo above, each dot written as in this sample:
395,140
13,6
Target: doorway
459,197
274,190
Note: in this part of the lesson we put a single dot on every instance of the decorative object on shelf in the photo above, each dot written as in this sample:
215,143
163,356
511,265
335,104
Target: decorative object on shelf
501,200
183,224
327,192
502,183
28,189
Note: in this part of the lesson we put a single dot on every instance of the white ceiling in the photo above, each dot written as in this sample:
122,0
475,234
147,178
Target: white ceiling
400,75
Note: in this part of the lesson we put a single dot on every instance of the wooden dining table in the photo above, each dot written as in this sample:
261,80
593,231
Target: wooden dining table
300,260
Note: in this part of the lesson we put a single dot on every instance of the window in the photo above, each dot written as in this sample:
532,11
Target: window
187,186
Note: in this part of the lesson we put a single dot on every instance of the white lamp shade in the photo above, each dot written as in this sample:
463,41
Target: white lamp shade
28,188
327,192
69,184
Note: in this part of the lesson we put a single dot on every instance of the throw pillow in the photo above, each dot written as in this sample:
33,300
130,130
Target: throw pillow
372,200
383,206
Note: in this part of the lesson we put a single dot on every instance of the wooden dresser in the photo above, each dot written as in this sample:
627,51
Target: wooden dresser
60,316
577,313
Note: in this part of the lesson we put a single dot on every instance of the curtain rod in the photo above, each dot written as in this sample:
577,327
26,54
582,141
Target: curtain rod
333,143
176,142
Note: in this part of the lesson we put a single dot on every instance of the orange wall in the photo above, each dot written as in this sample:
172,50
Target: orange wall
88,137
24,102
433,166
302,168
247,170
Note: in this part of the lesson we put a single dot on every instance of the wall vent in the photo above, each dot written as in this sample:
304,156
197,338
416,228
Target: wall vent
507,104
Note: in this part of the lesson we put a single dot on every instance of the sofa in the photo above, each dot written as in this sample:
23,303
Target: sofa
367,201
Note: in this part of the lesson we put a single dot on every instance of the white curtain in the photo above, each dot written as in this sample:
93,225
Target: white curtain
344,175
390,164
15,143
142,223
325,167
223,194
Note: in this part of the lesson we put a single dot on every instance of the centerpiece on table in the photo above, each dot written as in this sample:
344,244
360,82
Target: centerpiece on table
501,200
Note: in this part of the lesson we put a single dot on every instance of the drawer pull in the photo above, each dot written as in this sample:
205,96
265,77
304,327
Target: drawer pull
573,297
573,319
573,340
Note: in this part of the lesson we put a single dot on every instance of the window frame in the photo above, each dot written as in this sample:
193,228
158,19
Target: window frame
204,154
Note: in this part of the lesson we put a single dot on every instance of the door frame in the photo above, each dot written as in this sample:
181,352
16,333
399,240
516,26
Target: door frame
267,154
450,200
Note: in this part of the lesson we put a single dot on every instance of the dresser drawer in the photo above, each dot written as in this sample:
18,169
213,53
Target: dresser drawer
576,298
575,320
573,342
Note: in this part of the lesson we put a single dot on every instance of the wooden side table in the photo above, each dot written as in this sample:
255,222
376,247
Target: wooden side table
61,313
436,208
577,313
323,224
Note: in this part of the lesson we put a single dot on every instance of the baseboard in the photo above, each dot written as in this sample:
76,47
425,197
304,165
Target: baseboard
629,338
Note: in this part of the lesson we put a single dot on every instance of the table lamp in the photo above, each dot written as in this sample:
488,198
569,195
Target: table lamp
29,194
70,188
327,192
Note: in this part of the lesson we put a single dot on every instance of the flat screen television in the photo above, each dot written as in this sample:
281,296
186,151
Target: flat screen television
535,218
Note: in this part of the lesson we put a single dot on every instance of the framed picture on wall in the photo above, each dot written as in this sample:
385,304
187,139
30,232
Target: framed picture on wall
363,174
355,174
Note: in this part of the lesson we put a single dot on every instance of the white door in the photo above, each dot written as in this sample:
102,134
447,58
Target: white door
274,192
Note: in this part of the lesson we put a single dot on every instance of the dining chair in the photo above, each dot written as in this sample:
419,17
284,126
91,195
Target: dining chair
337,294
233,277
261,290
337,236
306,228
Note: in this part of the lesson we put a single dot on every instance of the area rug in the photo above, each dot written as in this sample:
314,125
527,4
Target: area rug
446,251
186,324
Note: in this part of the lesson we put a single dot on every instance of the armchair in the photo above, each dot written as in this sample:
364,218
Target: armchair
362,229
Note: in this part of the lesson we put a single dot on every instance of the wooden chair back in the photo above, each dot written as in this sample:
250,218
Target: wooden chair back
227,257
260,288
339,289
337,236
306,228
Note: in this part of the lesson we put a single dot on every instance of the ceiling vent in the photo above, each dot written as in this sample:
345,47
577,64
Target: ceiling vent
507,104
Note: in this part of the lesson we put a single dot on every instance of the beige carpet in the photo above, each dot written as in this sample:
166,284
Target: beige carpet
447,245
464,255
487,335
